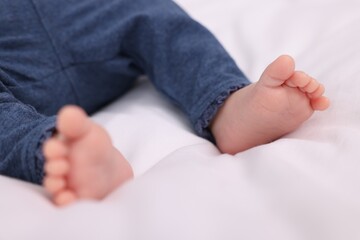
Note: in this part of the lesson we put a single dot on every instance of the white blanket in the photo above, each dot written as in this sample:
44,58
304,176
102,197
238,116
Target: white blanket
305,185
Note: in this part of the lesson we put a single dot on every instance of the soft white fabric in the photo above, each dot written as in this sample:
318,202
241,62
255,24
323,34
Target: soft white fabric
303,186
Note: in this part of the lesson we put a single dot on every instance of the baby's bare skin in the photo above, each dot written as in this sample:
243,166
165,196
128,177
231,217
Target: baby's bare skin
83,164
262,112
81,161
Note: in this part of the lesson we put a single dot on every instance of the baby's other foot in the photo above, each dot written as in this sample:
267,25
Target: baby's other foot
81,162
264,111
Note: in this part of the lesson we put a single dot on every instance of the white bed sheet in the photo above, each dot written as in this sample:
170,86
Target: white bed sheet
303,186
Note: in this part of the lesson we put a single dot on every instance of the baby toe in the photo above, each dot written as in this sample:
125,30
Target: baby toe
54,148
318,92
64,198
54,184
57,167
311,87
298,79
320,104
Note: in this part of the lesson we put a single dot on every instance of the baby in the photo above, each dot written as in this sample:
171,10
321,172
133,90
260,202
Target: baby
58,54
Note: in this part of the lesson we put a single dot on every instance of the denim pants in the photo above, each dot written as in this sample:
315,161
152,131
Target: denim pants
90,52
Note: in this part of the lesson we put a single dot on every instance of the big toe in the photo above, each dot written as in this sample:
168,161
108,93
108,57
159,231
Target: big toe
73,122
278,71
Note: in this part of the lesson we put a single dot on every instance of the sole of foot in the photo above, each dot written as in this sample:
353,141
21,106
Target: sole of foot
81,161
266,110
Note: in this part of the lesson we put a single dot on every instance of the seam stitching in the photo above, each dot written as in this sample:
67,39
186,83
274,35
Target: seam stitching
55,50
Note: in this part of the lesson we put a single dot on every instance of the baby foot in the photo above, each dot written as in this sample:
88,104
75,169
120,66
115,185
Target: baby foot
264,111
81,162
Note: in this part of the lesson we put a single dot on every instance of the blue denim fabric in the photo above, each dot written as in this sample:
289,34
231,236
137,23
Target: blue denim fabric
89,52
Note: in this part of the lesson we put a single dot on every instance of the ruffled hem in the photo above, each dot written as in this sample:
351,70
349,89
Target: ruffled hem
48,131
202,125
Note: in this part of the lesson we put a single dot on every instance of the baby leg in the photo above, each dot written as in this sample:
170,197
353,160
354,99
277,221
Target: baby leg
23,130
33,91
